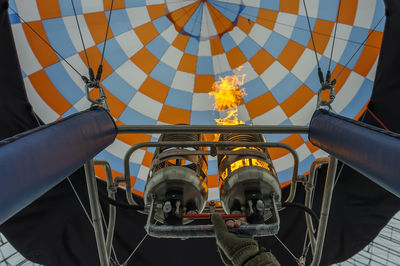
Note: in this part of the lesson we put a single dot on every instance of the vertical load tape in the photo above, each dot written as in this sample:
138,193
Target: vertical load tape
33,162
371,151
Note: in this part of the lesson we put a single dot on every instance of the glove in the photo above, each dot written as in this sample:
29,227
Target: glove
234,250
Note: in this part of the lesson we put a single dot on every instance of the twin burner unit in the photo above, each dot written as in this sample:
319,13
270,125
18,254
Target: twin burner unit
177,184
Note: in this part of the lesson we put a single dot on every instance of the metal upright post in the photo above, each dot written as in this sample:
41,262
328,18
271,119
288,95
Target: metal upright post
95,210
326,204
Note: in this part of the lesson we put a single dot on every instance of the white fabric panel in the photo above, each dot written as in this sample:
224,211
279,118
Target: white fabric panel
141,103
92,6
202,102
260,34
73,32
39,106
138,16
132,74
285,23
305,65
274,74
183,81
348,91
129,42
272,117
365,14
172,57
27,59
28,10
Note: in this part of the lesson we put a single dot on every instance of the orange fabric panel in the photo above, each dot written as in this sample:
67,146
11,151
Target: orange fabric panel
216,47
235,57
267,18
188,63
261,105
154,89
118,4
180,42
294,141
172,115
212,181
297,100
48,9
44,54
97,24
221,23
145,60
369,54
146,32
245,24
311,147
181,16
291,54
321,33
289,6
261,61
156,11
133,139
116,106
287,183
45,88
203,83
147,159
94,55
348,10
339,82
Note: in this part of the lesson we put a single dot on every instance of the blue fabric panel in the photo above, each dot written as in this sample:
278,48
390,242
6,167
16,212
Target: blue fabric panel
357,36
275,44
286,87
327,9
271,5
203,117
163,73
254,89
249,47
66,86
192,47
227,42
301,32
33,162
205,65
179,99
59,37
133,117
119,87
250,13
120,22
113,54
230,11
193,25
371,151
136,3
158,46
67,10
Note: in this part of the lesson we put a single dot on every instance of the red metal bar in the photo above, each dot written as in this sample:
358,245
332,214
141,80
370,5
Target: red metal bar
208,216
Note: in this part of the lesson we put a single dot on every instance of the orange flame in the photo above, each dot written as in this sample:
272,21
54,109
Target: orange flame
228,96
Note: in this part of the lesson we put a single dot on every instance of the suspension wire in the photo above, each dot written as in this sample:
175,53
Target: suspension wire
79,199
320,75
136,248
106,226
288,25
334,38
287,249
100,69
46,42
91,75
359,47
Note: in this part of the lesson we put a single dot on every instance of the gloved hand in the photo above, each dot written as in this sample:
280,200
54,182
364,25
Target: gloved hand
235,250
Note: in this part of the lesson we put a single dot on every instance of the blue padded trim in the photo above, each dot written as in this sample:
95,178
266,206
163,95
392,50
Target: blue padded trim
33,162
373,152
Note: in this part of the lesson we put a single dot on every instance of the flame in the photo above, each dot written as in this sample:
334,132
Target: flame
228,96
